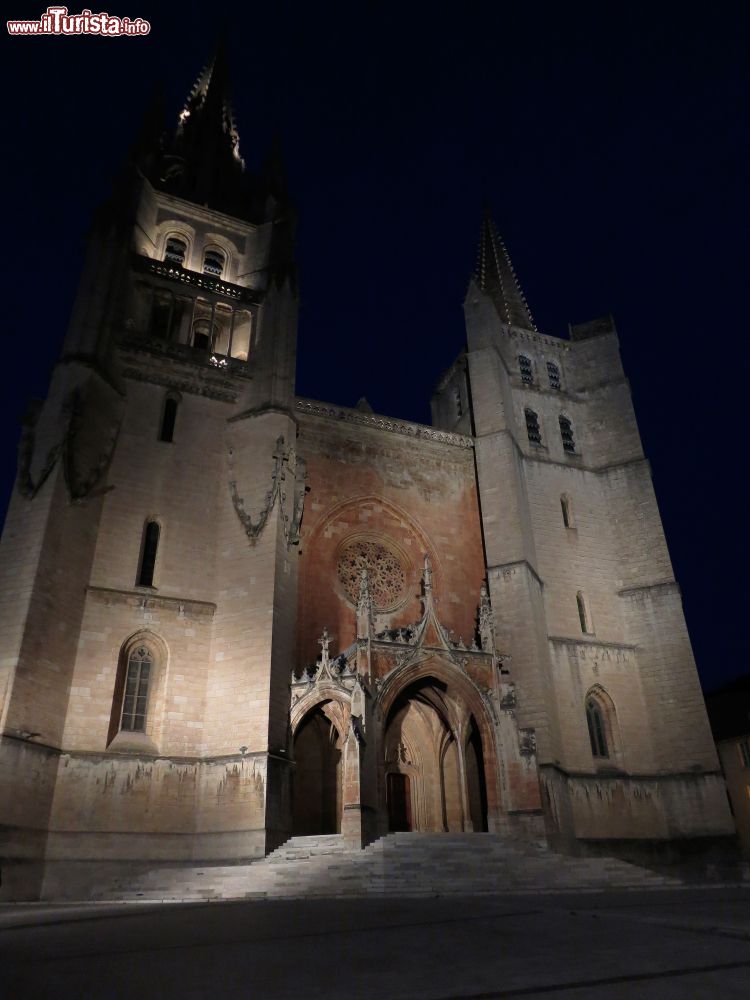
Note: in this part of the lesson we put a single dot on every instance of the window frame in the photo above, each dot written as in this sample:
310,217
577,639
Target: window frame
216,250
567,434
554,382
141,740
145,541
170,398
535,429
181,238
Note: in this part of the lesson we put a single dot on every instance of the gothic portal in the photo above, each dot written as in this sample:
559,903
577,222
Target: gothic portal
230,614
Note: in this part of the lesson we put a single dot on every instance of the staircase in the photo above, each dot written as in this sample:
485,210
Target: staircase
401,864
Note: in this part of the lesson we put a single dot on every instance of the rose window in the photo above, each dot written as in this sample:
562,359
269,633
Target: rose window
384,570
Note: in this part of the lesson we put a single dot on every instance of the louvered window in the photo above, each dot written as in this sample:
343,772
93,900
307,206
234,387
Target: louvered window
566,433
213,262
176,250
553,374
526,369
532,427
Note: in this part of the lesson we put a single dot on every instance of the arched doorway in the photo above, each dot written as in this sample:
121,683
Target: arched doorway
433,761
317,788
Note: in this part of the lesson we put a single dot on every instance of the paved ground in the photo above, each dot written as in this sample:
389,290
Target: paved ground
596,946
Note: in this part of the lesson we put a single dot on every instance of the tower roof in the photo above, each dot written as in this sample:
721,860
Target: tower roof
200,159
207,116
496,277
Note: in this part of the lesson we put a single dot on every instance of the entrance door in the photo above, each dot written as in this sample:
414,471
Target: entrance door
398,794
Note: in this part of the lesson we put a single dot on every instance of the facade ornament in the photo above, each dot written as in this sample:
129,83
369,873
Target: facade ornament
25,484
527,742
365,608
486,622
324,671
81,485
286,463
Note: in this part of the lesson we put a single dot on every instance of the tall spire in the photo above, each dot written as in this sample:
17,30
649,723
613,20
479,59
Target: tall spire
202,161
207,114
496,277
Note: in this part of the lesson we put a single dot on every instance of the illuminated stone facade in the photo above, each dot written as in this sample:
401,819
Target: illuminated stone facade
195,665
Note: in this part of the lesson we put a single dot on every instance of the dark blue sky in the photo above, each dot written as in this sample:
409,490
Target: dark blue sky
612,143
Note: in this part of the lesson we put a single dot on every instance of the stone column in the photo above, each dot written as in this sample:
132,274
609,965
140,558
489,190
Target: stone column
467,823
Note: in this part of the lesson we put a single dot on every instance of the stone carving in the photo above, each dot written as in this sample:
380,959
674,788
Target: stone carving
386,577
79,483
527,742
286,463
486,622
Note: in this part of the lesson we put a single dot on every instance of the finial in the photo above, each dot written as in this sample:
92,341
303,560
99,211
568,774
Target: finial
486,621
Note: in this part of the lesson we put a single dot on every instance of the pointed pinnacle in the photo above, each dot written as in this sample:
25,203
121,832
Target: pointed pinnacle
496,277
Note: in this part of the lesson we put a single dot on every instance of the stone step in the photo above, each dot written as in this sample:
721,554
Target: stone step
399,864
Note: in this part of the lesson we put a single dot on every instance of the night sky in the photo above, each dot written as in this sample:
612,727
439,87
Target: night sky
610,139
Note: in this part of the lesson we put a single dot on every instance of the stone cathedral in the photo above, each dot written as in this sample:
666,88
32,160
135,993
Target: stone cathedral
231,615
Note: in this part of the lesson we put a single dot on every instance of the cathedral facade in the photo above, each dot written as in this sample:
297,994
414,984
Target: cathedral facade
230,614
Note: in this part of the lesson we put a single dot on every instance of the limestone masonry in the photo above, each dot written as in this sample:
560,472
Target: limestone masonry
230,615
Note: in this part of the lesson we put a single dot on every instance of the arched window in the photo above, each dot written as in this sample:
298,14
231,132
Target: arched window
553,374
566,433
138,696
532,427
597,724
135,695
526,369
148,555
175,250
567,510
583,613
213,262
168,417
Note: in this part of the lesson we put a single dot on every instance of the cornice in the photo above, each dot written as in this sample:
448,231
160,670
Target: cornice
379,423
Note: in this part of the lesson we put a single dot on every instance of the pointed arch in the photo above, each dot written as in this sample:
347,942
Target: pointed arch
602,726
138,695
458,684
317,780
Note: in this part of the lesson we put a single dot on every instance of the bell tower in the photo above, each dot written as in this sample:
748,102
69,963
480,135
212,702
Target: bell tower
580,577
149,558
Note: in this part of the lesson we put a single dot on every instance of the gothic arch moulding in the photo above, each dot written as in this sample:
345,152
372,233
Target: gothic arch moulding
459,685
150,737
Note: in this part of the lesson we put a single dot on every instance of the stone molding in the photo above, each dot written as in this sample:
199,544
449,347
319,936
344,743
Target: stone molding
658,585
143,598
617,774
392,424
193,383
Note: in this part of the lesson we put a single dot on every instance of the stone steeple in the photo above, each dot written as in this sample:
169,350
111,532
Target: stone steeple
496,277
201,159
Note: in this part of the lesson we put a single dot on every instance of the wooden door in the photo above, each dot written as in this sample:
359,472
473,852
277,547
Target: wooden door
398,793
